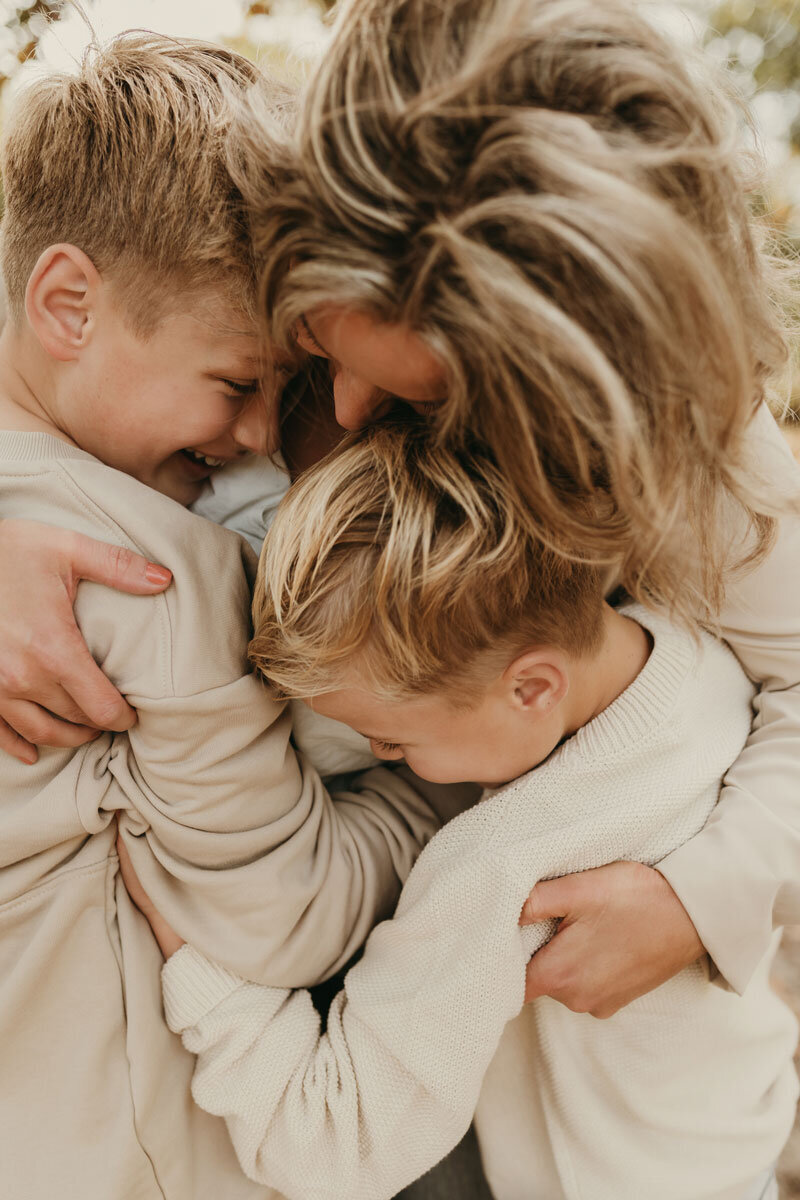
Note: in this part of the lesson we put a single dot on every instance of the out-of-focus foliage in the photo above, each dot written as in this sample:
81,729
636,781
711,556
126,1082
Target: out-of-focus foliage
20,33
283,36
759,40
762,40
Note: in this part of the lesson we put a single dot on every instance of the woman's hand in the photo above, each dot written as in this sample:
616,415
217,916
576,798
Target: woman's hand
51,690
165,935
622,932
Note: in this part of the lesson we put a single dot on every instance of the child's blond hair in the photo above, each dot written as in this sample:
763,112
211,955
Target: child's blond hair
411,564
556,202
130,159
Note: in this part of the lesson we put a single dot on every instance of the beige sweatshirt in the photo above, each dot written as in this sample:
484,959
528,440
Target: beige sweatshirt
234,837
686,1094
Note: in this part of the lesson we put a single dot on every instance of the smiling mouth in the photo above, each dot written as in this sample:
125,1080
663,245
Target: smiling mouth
203,460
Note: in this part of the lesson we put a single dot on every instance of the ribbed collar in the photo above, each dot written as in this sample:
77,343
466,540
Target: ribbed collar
27,447
647,703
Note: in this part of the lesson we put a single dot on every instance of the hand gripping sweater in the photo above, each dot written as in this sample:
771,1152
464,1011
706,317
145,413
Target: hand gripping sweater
687,1094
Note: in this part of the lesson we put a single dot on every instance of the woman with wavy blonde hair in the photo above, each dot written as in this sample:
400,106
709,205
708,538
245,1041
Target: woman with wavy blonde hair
530,219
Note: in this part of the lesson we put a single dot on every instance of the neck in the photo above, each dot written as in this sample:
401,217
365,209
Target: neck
26,386
597,681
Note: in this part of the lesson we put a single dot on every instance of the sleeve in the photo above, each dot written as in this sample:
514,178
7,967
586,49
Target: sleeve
740,876
232,833
391,1086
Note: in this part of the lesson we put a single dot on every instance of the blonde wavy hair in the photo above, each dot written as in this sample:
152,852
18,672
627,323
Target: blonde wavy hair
132,157
557,203
410,563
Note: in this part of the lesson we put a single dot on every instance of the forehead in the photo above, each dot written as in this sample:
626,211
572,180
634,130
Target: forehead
213,326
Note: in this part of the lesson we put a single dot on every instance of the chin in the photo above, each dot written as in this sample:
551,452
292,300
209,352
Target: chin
182,491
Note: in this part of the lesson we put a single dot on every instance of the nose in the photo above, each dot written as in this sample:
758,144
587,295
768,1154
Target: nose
252,428
356,402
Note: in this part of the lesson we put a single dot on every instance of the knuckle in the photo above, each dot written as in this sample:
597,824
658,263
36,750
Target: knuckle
69,542
559,979
118,559
15,678
602,1012
577,1003
36,727
108,715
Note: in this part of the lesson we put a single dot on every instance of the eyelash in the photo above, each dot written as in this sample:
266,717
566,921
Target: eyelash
303,323
239,389
387,747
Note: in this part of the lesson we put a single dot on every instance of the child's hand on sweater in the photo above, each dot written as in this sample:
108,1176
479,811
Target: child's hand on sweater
165,935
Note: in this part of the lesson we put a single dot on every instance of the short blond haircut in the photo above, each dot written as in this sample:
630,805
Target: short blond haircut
553,196
129,158
410,564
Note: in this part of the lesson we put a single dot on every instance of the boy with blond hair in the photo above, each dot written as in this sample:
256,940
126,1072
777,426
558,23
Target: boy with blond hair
414,607
130,371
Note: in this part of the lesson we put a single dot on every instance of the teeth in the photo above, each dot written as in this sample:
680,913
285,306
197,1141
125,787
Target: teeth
206,458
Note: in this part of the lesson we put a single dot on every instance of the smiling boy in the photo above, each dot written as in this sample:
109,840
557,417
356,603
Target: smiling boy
129,371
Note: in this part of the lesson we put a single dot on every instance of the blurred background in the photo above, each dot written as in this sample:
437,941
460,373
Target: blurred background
757,40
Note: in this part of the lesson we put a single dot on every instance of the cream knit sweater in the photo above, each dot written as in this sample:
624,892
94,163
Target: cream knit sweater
687,1094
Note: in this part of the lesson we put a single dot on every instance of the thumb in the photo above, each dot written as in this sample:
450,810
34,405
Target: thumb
551,898
113,566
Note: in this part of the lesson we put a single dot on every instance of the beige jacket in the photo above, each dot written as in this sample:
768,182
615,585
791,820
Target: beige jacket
232,834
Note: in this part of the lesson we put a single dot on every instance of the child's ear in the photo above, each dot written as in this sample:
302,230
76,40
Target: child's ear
60,300
537,681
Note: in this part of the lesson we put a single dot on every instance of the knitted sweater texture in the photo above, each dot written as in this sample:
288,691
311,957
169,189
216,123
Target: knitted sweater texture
684,1095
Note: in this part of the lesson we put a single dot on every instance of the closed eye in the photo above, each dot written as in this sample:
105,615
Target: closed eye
305,329
238,388
386,747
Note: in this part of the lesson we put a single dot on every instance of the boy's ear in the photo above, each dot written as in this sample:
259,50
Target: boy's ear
60,300
537,681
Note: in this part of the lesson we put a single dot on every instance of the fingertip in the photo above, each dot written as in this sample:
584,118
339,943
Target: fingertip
17,746
157,575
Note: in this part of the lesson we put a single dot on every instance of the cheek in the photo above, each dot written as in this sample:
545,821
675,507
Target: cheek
440,765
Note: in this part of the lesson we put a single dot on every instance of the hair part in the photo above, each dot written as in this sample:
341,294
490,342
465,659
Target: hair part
410,562
557,204
129,158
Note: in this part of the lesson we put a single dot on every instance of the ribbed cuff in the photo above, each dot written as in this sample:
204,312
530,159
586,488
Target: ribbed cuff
193,985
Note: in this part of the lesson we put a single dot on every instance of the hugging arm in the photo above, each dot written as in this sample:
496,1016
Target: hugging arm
728,887
391,1086
749,852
